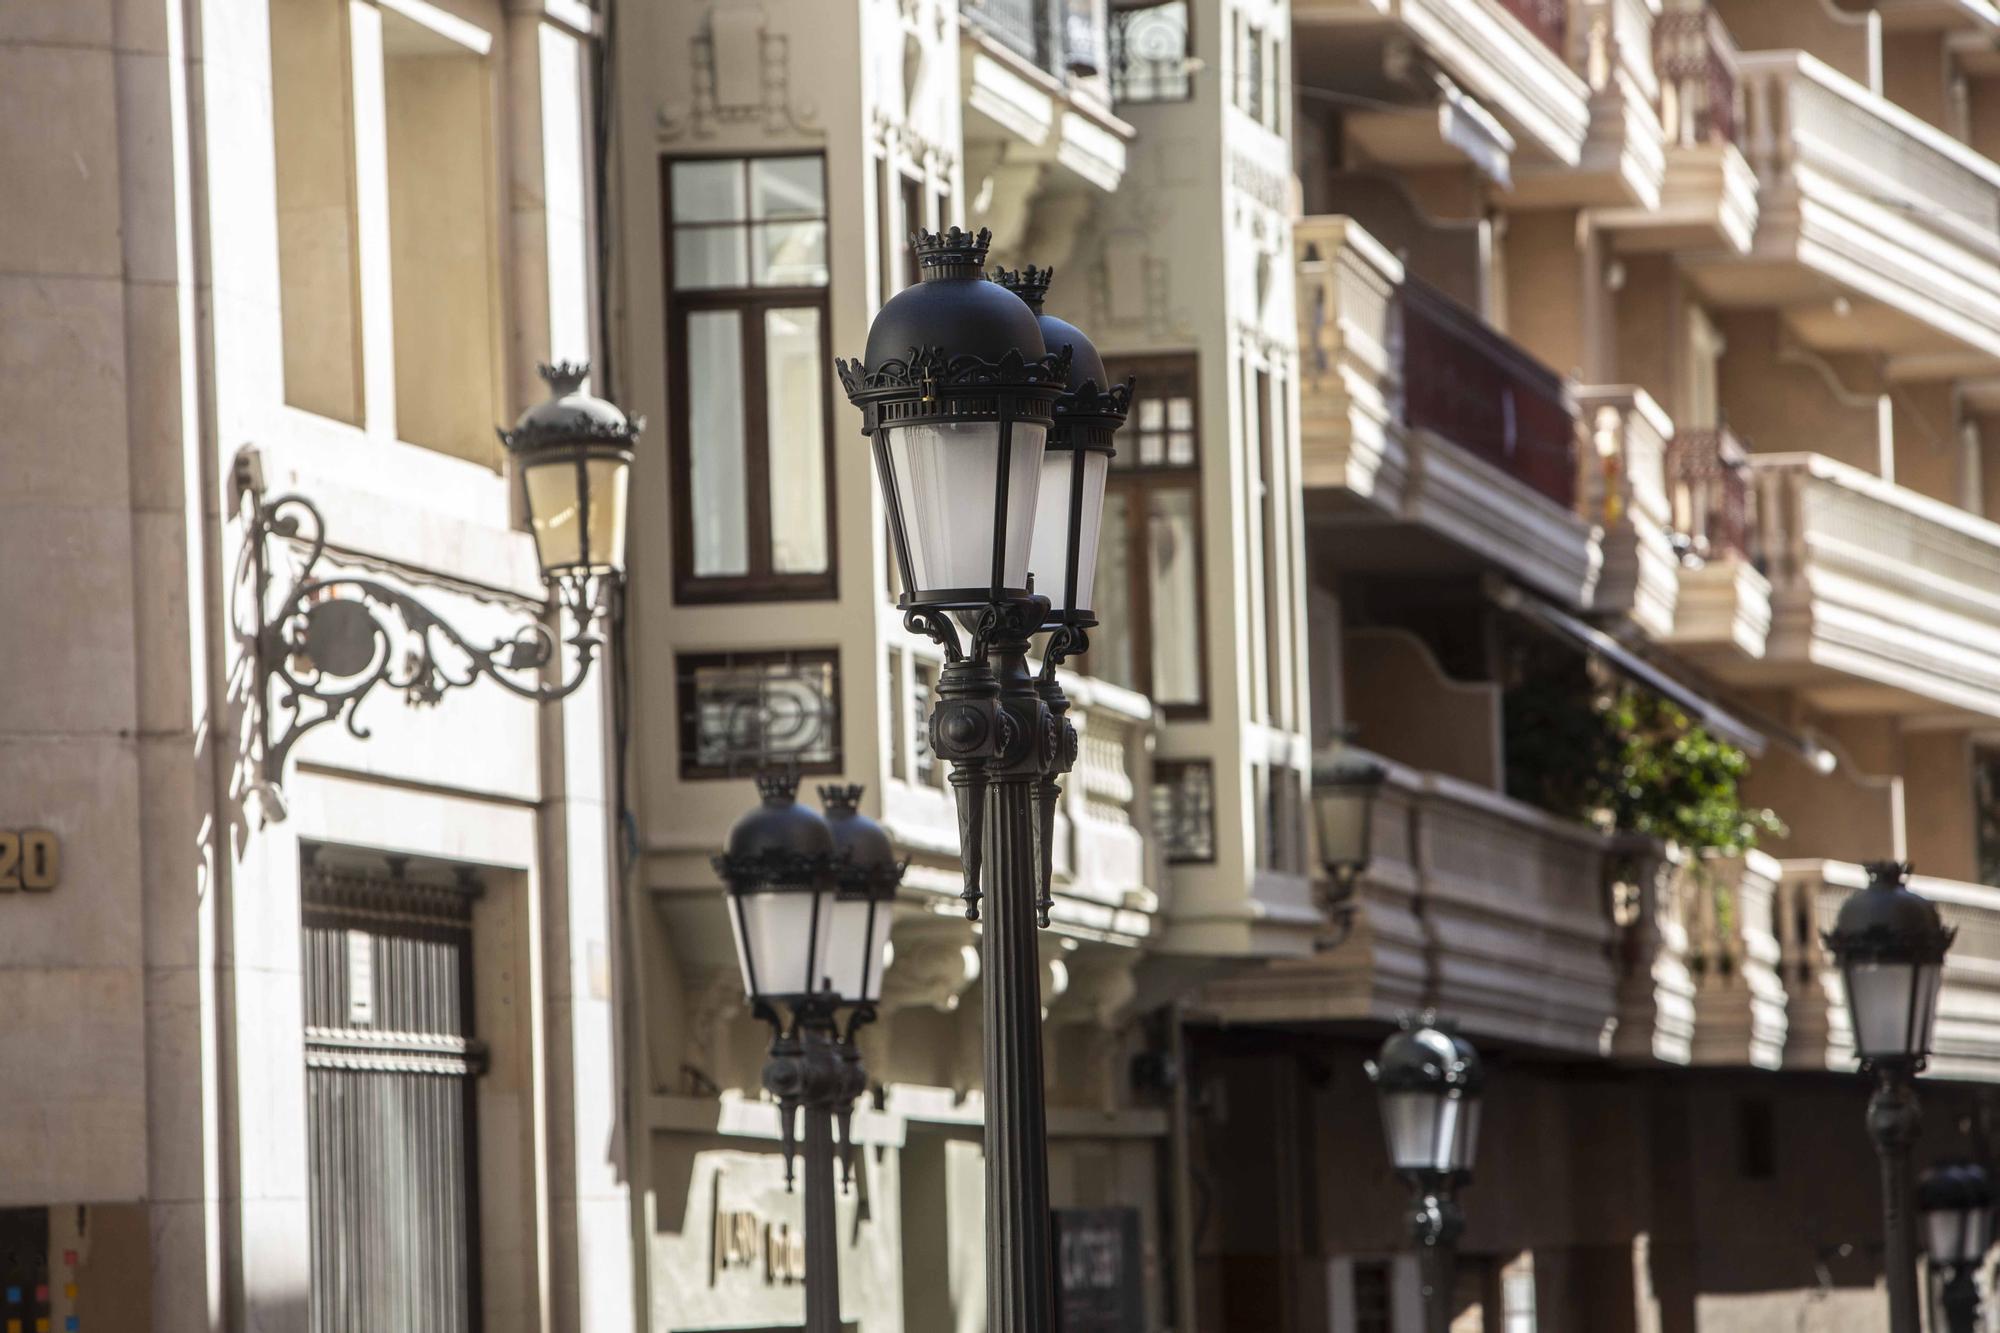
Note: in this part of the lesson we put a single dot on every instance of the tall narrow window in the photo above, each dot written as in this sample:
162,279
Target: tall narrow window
914,217
751,429
1150,562
1269,409
1986,791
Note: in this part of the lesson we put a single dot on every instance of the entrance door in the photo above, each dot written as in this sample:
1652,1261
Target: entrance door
390,1060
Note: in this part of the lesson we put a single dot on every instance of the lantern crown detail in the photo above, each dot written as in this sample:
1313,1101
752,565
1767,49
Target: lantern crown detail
1031,284
569,414
779,842
942,254
1427,1055
1887,922
865,860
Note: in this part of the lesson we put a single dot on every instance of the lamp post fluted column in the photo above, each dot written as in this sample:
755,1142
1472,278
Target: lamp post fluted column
1894,1120
807,1074
1437,1223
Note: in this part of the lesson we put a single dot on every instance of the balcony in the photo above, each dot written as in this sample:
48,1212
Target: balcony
1416,411
1622,161
1724,607
1488,909
1882,600
1037,96
1629,436
1877,232
1708,194
1503,79
1967,1043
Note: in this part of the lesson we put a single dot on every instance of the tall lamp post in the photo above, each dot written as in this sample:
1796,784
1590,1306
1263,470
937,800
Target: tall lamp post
810,901
1956,1199
991,448
1429,1080
1889,944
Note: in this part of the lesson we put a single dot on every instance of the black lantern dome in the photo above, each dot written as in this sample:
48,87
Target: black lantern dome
867,872
1068,523
1429,1079
574,454
957,393
779,871
1890,944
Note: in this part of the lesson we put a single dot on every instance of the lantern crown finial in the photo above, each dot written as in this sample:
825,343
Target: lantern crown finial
569,417
841,798
1031,284
951,253
778,786
564,377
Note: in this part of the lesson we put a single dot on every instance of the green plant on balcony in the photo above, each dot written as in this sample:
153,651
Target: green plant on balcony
1625,760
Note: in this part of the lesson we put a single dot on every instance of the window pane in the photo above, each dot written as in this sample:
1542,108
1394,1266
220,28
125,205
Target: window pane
789,254
787,187
1111,642
795,425
716,442
708,191
710,257
1183,799
740,714
1174,576
1180,413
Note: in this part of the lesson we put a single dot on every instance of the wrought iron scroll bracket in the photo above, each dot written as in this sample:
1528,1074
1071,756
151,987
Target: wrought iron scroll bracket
327,641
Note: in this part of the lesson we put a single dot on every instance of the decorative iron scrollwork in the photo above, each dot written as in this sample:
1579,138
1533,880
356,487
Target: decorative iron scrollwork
332,639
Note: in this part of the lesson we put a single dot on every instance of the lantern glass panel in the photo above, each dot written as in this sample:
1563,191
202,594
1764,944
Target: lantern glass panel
1947,1235
858,948
1466,1147
555,510
1050,561
1891,1005
782,937
1423,1129
1343,812
608,478
946,475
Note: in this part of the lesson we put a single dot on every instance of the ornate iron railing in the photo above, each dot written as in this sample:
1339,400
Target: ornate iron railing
1701,99
1708,484
1063,37
1481,391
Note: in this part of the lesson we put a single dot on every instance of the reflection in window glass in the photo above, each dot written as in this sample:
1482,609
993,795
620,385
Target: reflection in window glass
1183,800
787,187
708,191
795,423
715,432
1174,574
789,254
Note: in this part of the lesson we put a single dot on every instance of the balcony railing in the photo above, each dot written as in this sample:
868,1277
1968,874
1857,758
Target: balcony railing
1547,19
1708,484
1700,93
1801,112
1065,38
1481,391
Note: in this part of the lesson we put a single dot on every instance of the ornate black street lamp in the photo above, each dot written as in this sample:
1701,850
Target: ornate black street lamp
1429,1080
1889,944
1345,786
1956,1199
810,902
329,640
968,409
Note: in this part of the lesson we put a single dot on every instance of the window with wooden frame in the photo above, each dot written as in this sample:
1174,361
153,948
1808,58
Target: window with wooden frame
744,711
751,428
1149,570
1183,799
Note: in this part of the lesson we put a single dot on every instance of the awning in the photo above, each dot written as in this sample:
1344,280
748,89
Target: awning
1716,720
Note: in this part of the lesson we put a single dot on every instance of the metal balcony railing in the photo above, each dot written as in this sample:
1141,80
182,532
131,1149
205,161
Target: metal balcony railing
1701,97
1474,387
1065,38
1708,485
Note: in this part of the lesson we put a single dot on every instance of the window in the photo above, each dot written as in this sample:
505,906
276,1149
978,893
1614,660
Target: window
1986,790
1250,82
1150,566
1373,1310
752,425
743,711
930,773
1184,810
1149,53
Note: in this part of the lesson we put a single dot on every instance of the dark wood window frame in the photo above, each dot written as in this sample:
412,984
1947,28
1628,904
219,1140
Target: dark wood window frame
1168,773
1137,482
687,703
761,583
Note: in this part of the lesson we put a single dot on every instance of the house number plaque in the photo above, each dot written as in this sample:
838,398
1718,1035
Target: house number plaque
30,860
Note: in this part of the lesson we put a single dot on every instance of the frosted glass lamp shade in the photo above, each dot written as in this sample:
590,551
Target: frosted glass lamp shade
1069,517
962,497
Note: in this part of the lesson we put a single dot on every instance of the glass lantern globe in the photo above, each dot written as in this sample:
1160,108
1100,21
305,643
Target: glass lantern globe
1889,944
1956,1200
957,392
1069,516
1429,1081
1344,790
779,873
574,456
867,873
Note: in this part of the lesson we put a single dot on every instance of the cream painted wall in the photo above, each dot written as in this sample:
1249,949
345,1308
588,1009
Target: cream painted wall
1779,404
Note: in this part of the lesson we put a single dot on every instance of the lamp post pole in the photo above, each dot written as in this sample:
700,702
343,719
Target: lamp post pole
1428,1079
1437,1223
806,1073
1894,1120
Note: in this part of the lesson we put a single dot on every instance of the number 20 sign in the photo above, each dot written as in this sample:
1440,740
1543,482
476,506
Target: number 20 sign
30,860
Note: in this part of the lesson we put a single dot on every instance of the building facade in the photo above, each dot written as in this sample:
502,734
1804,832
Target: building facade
310,1037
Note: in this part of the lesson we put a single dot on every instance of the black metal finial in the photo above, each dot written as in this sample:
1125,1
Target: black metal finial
1887,874
778,786
1031,284
951,253
841,798
564,377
